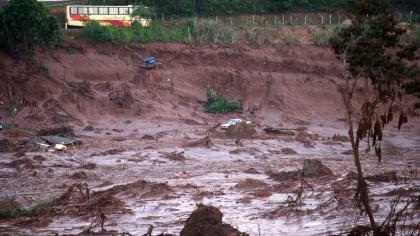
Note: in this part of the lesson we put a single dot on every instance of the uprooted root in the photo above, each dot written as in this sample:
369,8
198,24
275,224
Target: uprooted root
402,218
403,209
76,193
98,222
297,201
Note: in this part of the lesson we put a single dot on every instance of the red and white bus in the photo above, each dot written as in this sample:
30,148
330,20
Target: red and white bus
119,16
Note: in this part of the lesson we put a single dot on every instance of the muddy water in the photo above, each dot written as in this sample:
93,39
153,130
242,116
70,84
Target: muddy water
210,176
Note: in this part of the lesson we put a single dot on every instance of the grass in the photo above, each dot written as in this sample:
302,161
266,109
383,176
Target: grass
290,39
237,30
321,37
18,211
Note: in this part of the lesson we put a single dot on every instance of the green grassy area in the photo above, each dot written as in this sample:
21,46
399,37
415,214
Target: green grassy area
218,104
18,211
238,30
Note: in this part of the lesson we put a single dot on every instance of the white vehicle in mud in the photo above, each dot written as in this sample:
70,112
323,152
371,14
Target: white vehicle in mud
232,122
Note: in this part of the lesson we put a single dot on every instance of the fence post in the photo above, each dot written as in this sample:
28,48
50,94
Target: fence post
322,20
283,19
411,15
217,17
330,19
291,20
253,20
275,20
305,19
231,22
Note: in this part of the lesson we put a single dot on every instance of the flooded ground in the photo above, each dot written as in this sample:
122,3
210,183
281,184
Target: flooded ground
235,179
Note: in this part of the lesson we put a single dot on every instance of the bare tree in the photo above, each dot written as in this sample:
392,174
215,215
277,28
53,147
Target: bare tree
370,49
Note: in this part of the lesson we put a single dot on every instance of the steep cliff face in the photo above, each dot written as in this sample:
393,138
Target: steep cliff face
78,82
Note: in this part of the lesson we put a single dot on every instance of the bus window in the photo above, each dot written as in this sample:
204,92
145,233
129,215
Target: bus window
73,10
103,11
113,11
82,10
131,10
93,11
123,10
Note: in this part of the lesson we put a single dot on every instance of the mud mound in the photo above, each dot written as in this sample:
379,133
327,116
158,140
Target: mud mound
288,151
251,184
311,169
240,131
141,188
62,131
6,146
207,221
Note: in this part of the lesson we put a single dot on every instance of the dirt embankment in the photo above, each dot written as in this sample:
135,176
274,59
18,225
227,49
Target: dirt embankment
80,82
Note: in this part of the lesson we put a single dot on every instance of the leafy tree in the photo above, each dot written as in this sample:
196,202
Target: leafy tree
26,23
370,49
144,11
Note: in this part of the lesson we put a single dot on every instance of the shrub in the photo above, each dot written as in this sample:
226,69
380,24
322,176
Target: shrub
26,23
156,32
290,39
218,104
417,33
210,31
321,37
18,211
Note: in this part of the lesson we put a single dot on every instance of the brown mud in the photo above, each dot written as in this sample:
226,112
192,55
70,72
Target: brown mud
148,154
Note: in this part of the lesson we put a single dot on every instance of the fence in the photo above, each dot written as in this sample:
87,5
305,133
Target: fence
295,19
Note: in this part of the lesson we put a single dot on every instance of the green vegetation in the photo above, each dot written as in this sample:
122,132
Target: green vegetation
18,211
236,7
215,30
322,36
290,39
156,32
218,104
210,31
25,24
144,11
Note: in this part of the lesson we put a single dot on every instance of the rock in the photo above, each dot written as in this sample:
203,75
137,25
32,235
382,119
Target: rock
314,168
148,137
348,152
311,168
288,151
207,221
89,128
251,171
251,184
340,138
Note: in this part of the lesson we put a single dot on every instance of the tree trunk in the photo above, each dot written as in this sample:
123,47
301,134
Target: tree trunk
362,187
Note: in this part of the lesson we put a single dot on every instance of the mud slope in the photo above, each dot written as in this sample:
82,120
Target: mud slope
80,82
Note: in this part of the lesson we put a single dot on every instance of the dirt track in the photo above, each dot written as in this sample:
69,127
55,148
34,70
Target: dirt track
138,117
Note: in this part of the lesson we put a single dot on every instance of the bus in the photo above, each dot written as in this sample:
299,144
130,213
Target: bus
118,16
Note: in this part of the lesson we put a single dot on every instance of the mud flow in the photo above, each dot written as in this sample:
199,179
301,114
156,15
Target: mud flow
100,146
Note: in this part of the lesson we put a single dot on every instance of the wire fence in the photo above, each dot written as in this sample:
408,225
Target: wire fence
293,19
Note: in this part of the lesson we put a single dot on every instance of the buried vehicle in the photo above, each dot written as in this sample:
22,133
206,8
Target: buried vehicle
233,122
